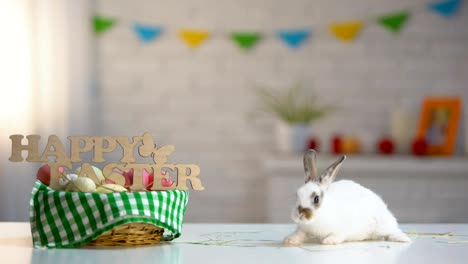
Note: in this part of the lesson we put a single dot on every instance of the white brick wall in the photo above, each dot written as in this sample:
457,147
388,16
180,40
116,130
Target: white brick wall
200,100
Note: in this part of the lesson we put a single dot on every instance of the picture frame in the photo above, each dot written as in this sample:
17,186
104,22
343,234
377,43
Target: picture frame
438,125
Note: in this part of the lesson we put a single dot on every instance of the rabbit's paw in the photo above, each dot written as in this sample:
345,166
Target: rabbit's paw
332,240
293,241
398,236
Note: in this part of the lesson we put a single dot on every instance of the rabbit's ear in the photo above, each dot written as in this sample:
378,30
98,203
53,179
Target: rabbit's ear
310,165
329,175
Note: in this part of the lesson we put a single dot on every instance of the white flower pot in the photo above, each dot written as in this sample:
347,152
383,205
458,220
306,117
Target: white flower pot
292,139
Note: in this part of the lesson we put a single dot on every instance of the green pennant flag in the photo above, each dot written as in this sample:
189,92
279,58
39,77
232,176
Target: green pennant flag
102,24
245,40
394,22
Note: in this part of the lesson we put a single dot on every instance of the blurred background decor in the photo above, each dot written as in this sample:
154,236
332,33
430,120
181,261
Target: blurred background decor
246,40
295,110
46,80
63,73
345,31
438,125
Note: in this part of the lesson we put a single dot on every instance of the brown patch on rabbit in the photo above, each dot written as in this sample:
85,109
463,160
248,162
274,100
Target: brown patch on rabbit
306,212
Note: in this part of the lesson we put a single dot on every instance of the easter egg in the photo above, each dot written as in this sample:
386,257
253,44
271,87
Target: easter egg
150,181
106,181
110,188
147,178
96,170
166,183
81,184
43,174
128,177
65,180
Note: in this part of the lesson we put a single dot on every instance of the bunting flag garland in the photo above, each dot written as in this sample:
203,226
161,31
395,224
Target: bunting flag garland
146,33
346,31
395,21
245,40
446,8
102,24
193,38
294,38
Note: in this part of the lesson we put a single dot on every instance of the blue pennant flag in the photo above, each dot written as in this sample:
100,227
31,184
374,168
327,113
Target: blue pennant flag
294,38
147,33
446,8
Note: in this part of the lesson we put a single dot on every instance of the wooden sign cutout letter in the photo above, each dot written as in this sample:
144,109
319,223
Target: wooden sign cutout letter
55,156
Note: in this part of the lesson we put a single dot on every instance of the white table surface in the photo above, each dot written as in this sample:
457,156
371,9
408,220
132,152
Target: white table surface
247,243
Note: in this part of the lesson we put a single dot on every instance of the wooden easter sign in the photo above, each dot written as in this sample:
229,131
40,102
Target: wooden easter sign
104,144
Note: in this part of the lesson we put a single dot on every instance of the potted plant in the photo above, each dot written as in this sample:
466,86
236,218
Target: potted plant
295,109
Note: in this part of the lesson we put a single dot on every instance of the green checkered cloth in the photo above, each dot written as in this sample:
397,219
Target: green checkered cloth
62,219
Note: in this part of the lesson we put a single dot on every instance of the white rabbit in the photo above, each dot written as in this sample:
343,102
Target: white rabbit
334,212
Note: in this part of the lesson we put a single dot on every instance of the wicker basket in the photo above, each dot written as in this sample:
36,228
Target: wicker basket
131,234
142,226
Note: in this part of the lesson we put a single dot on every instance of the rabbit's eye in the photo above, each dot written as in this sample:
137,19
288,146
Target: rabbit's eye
316,200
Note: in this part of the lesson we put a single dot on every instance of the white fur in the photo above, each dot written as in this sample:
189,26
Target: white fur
348,212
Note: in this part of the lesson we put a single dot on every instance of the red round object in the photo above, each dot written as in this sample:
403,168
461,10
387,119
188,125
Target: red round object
128,177
419,147
43,174
386,146
336,144
151,181
314,144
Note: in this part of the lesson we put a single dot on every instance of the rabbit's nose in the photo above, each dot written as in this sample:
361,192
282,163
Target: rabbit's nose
305,212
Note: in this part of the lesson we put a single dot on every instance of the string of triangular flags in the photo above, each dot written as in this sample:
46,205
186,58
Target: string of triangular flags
346,31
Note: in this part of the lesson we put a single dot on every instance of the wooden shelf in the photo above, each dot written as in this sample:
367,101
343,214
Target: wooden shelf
454,164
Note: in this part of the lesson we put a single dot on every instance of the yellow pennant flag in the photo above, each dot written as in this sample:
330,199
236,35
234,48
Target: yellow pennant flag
193,38
346,31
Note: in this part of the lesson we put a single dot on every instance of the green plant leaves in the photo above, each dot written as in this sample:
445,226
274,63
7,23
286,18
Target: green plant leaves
294,106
